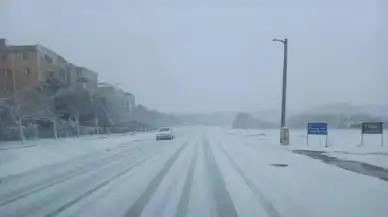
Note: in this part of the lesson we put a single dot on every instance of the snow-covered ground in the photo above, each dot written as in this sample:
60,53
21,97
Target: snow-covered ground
17,158
203,172
343,144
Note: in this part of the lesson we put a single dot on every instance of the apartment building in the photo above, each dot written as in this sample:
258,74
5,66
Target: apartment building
120,104
129,101
87,77
28,65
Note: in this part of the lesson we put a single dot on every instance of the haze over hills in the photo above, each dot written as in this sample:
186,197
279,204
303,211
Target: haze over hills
208,119
344,108
339,111
339,115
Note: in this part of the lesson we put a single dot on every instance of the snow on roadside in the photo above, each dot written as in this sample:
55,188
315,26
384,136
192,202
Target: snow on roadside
38,153
346,145
342,144
306,187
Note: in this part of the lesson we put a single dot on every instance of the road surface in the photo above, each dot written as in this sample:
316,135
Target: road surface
203,172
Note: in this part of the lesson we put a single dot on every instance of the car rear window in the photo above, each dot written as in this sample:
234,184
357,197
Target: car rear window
164,129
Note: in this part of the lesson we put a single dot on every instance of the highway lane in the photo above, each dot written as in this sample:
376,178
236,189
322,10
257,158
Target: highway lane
203,172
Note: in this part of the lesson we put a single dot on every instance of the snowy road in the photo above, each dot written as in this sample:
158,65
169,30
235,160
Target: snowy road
203,172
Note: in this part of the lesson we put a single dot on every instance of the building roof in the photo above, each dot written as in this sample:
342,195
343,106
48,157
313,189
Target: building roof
19,48
103,84
31,47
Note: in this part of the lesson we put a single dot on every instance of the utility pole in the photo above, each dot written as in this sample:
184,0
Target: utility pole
284,87
19,118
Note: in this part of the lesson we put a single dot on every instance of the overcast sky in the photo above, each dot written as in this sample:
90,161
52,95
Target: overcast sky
216,55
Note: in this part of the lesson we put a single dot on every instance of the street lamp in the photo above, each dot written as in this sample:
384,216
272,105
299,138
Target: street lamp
284,88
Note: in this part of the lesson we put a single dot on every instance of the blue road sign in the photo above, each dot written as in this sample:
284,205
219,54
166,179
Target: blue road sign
317,128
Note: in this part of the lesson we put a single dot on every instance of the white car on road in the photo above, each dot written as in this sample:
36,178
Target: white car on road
164,133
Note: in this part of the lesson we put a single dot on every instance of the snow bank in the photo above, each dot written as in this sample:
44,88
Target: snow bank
343,144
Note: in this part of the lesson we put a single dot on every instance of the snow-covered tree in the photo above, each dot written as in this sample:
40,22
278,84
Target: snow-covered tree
50,91
27,106
77,101
99,107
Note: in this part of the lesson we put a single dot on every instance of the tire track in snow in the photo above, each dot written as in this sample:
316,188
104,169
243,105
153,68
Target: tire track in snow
97,187
62,177
223,201
45,208
266,204
83,158
185,196
137,207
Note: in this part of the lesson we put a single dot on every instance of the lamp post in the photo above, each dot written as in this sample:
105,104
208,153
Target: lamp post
284,86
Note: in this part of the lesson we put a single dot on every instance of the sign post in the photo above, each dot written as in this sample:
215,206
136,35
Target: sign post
96,125
372,128
317,129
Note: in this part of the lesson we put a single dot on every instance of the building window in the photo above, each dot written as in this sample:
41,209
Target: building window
48,59
79,73
68,78
26,55
8,72
3,56
8,88
27,71
49,74
62,74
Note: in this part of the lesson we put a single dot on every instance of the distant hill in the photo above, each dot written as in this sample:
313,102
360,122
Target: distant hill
334,108
226,118
338,115
210,119
246,121
345,108
376,110
267,115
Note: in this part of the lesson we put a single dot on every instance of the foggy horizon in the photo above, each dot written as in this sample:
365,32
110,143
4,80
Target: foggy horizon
205,57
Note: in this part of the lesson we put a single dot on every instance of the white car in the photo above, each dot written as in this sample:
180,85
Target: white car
164,133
